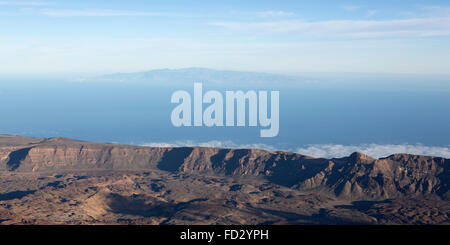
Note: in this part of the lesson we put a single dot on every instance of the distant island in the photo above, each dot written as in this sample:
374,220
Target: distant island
205,75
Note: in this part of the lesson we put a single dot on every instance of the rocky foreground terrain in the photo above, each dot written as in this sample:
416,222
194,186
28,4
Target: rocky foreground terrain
63,181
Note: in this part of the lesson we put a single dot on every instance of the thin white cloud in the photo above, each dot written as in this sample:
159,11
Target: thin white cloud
100,13
373,150
19,3
323,150
213,143
270,14
415,27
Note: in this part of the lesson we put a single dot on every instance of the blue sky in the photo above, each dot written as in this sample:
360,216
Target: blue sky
94,37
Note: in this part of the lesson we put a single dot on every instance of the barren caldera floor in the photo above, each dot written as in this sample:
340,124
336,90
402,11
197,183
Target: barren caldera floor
63,181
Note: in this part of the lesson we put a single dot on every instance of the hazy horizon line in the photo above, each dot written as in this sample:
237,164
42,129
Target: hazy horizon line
285,73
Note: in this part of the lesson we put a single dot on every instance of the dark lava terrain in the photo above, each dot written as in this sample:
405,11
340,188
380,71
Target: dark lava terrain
63,181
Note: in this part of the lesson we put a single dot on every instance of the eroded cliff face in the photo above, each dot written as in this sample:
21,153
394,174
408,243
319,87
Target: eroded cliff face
361,177
357,177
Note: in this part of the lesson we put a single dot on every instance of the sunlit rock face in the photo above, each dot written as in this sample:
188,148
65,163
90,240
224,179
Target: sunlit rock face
151,180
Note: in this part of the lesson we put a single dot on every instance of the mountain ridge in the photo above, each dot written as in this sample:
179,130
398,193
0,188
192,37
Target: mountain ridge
356,177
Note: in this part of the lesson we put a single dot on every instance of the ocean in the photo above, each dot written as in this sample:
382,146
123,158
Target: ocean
352,113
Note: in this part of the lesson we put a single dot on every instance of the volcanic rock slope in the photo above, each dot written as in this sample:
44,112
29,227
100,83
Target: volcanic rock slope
59,180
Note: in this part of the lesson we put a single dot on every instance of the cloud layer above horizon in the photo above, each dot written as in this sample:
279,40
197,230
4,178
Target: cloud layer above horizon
414,27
